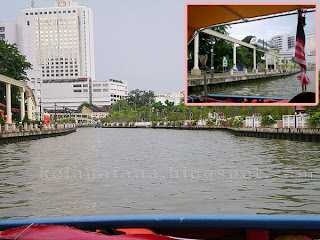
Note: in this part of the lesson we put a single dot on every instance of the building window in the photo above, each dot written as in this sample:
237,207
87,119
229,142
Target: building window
2,36
96,90
85,90
28,23
2,29
27,14
77,90
31,13
74,11
76,85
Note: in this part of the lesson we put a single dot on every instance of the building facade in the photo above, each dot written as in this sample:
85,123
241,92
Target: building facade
59,43
286,45
174,97
59,40
118,90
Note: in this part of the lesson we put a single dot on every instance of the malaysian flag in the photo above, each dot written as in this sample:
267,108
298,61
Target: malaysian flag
300,56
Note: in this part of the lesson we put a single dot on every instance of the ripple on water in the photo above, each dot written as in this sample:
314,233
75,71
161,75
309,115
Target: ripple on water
146,171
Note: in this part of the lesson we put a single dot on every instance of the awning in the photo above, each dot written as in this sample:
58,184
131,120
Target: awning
4,107
201,16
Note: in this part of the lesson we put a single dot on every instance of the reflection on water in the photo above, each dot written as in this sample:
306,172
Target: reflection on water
147,171
287,87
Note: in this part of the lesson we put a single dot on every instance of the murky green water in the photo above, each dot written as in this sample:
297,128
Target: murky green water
148,171
287,87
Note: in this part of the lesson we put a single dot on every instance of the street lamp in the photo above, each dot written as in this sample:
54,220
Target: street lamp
203,57
212,58
187,113
55,115
149,109
40,110
20,100
55,112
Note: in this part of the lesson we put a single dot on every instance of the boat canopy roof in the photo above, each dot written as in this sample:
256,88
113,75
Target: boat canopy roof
204,15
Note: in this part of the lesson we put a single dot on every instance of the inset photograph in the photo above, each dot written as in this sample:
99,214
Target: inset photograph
252,54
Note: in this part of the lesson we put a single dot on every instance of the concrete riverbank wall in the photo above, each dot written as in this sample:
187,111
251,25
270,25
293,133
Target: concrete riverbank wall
293,134
196,83
11,137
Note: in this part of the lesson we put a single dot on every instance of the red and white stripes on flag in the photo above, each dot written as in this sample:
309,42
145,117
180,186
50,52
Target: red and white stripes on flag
300,56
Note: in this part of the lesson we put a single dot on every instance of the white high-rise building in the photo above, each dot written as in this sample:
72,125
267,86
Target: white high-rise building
59,40
59,43
286,45
310,49
281,42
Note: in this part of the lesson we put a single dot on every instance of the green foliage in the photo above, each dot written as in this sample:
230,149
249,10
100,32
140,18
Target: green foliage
12,63
267,120
2,122
85,104
138,98
26,119
169,104
314,120
237,122
221,48
121,106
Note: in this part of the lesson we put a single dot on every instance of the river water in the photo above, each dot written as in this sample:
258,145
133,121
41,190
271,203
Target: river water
286,87
151,171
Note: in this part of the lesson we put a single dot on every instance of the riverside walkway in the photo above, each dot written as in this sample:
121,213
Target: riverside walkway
11,133
195,81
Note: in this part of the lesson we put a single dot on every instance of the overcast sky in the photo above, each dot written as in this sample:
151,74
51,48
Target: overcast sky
142,41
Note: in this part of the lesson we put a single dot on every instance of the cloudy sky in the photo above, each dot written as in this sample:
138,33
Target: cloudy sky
142,41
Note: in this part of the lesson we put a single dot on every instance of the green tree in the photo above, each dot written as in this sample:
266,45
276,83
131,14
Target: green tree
221,48
245,55
85,104
169,104
14,65
138,98
121,106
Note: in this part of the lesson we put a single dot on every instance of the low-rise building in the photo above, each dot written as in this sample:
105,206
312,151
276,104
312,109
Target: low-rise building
94,112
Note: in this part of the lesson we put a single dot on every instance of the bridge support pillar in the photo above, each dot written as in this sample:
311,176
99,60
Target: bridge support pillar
22,104
274,64
254,60
266,56
29,107
235,57
196,70
8,102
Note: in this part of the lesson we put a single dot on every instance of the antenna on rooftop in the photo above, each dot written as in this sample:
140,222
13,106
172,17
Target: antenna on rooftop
32,3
